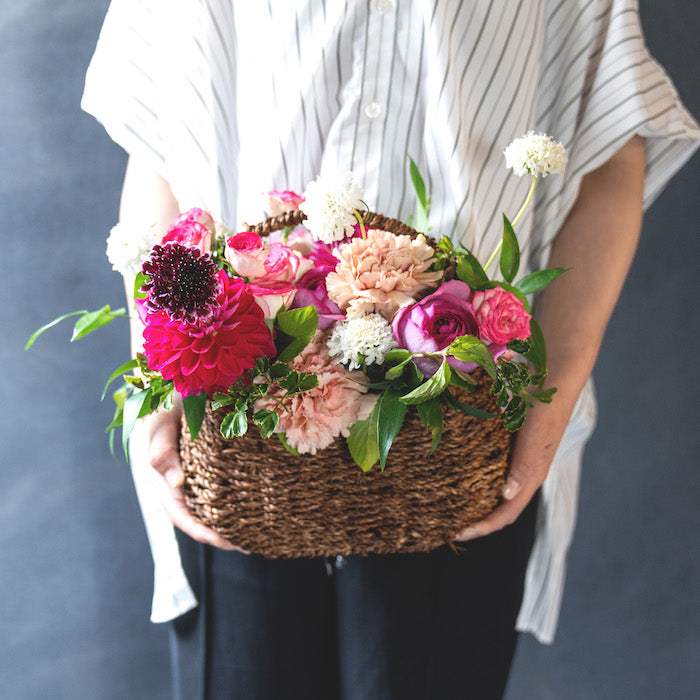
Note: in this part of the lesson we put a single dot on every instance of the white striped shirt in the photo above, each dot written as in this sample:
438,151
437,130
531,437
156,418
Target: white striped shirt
230,98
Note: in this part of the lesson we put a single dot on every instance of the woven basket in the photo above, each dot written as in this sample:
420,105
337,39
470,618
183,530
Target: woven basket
264,500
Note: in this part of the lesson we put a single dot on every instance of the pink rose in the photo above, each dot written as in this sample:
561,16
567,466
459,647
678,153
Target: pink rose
432,323
271,299
280,201
311,291
282,264
246,253
501,316
194,228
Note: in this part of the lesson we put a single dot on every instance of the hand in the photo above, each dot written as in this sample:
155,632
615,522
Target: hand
163,455
535,445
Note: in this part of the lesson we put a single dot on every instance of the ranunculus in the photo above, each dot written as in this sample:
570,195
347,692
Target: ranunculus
432,323
311,291
271,298
280,201
501,316
193,228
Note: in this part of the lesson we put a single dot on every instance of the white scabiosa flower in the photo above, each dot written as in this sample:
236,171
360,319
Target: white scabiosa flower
361,336
329,206
537,154
128,247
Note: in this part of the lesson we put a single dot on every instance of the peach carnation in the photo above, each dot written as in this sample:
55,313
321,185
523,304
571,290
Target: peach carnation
314,419
382,272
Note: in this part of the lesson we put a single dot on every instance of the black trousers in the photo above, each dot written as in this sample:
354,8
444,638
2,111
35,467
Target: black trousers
429,626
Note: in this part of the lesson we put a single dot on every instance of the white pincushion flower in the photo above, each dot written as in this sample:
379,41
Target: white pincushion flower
537,154
329,206
128,247
367,336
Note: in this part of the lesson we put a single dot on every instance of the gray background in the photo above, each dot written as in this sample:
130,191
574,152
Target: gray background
75,575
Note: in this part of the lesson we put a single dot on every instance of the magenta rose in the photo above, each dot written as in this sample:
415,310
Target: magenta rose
432,323
311,291
193,228
501,316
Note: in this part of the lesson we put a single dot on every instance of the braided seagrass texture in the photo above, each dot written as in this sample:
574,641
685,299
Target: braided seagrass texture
265,500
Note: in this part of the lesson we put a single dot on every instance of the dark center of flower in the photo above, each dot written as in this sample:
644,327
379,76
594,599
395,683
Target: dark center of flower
182,282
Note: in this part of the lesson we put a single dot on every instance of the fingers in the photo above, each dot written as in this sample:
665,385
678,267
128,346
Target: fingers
173,501
524,479
163,455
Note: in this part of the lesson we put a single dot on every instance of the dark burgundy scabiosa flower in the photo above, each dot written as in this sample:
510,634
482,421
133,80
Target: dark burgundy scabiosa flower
183,282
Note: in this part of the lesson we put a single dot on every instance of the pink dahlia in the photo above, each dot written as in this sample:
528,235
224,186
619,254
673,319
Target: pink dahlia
208,357
382,272
312,420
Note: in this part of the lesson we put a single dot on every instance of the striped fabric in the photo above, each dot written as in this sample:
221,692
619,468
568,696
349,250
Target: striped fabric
230,98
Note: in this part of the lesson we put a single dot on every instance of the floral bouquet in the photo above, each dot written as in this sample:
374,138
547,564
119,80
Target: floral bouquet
329,322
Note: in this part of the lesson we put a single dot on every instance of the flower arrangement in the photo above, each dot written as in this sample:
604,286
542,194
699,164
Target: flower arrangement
331,328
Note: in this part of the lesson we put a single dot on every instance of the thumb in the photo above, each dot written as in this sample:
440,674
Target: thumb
163,452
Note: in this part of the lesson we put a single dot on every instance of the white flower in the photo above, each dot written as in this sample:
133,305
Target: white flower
367,336
536,154
329,206
128,247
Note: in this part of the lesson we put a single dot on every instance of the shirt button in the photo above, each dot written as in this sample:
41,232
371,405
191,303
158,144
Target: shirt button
340,562
383,5
373,110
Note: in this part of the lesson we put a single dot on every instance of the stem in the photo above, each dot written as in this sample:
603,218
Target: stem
515,221
526,203
360,220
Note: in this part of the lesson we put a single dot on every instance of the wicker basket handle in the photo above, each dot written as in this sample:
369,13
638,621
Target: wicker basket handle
296,217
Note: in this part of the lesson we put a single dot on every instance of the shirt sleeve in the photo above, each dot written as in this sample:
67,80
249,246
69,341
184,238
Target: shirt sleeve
119,85
600,87
162,83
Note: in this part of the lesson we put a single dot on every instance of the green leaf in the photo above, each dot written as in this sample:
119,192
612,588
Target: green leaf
421,222
132,412
362,441
220,400
544,395
279,370
310,381
517,293
510,253
418,183
469,348
396,356
466,408
295,330
430,389
537,354
391,415
117,372
431,415
539,280
93,320
139,281
397,370
38,332
469,270
267,421
298,322
462,380
234,424
195,406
